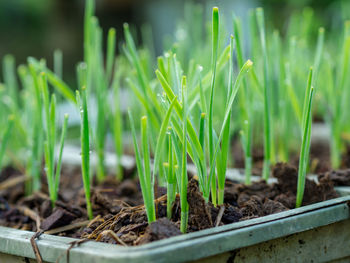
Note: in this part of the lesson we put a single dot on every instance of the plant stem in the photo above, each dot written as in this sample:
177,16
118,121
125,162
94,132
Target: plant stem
202,140
161,138
221,162
244,70
117,125
5,138
171,178
197,149
110,53
267,111
215,40
305,147
55,81
50,138
37,137
147,167
59,161
341,94
85,148
184,179
10,79
245,105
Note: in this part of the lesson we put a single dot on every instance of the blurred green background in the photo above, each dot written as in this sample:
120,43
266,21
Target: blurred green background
37,27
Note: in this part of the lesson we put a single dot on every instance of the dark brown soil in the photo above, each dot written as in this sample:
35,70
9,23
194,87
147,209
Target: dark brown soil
120,217
199,212
241,203
161,229
339,177
19,211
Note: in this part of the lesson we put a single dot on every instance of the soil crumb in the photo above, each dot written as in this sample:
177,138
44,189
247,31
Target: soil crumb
161,229
60,217
338,178
199,216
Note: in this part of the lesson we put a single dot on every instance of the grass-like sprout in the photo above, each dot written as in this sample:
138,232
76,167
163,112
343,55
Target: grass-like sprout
143,90
221,163
282,95
34,165
5,138
98,79
144,169
184,179
10,79
111,42
306,140
194,94
318,54
244,70
204,171
116,116
56,82
85,147
53,176
246,132
215,40
147,168
117,124
268,147
97,83
196,144
170,174
11,105
135,59
253,34
194,148
161,139
339,100
168,75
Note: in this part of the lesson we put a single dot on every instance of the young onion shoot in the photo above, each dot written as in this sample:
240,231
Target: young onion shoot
53,177
268,147
144,169
306,140
215,40
85,147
